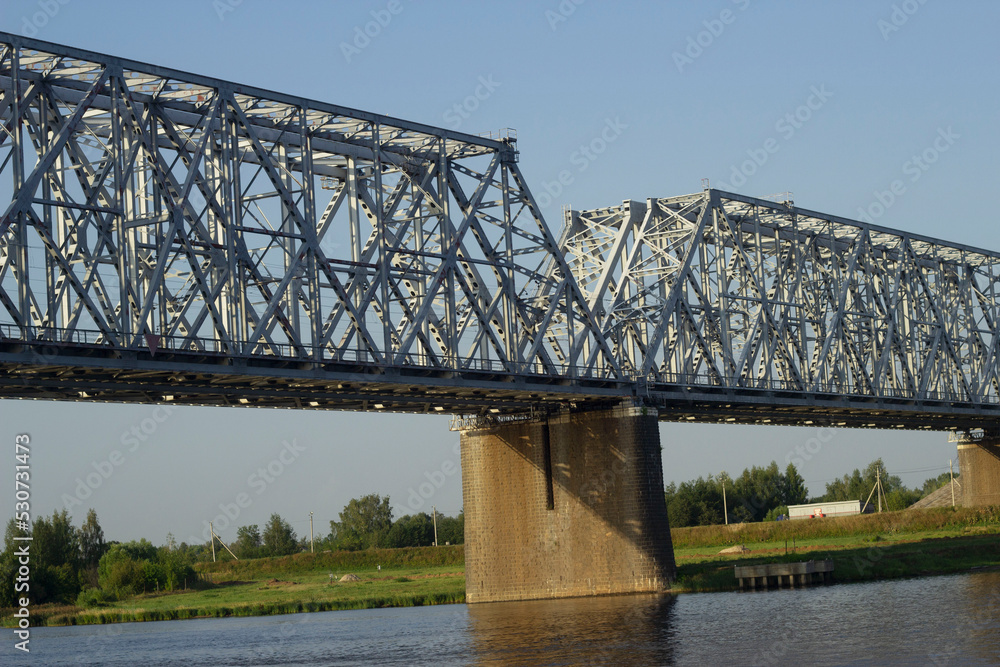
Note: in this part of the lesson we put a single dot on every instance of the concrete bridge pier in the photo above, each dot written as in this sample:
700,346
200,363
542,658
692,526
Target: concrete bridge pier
979,464
566,505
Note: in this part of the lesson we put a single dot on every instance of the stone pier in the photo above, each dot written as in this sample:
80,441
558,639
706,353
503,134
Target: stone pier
563,506
979,463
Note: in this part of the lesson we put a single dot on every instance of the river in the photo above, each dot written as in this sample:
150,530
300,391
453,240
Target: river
946,620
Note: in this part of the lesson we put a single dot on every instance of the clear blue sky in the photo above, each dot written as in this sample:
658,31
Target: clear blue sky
696,90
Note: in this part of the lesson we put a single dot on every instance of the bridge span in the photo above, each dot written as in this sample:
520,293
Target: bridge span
168,237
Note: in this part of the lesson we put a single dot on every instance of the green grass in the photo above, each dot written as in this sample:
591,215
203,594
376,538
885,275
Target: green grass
306,591
391,561
290,584
863,548
942,520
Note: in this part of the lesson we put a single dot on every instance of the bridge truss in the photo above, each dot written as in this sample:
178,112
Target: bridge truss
719,293
159,217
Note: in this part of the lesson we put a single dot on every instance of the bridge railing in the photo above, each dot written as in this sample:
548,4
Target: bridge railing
55,337
329,355
704,380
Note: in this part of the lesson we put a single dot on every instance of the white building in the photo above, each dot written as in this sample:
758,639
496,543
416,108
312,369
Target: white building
820,510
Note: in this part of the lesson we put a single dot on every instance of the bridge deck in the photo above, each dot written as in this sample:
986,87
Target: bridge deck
76,372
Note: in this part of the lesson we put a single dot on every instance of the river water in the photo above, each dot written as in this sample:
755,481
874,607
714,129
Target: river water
949,620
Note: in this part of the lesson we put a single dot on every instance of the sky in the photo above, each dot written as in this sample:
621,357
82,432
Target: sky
833,102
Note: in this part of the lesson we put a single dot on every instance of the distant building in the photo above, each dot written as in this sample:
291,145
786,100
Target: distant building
820,510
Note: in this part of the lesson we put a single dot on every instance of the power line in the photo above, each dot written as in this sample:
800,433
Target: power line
903,472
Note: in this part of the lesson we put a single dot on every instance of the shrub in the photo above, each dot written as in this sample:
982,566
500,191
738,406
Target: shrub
773,514
123,575
94,597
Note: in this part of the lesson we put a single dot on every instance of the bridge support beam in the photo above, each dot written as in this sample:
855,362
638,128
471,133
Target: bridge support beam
979,463
567,506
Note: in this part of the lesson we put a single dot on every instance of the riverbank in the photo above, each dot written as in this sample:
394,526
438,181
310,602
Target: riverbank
889,545
405,587
879,559
303,582
883,546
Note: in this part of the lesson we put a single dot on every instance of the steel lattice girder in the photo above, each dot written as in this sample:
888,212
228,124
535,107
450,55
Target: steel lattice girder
720,290
157,210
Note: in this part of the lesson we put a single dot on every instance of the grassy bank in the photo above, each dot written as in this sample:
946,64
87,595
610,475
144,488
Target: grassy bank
291,584
315,591
413,558
943,521
863,548
882,546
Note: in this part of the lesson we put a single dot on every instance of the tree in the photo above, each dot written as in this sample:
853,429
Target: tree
92,545
279,538
122,570
753,496
134,567
364,522
794,492
56,547
775,512
858,486
695,503
415,530
757,491
934,483
56,541
9,565
901,498
174,567
248,541
679,510
451,529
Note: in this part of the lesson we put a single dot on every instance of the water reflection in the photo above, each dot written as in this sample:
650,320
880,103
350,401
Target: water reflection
983,594
612,630
951,620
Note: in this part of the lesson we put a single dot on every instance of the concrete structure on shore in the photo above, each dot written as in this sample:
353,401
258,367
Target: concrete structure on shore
777,575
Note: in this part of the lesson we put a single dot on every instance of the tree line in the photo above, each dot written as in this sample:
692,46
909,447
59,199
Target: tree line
859,484
77,565
364,523
764,494
756,495
70,564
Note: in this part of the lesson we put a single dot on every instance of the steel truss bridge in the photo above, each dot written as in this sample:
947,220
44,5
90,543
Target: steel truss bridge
176,238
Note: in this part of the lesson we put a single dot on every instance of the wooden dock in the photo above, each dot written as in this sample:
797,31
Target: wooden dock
779,575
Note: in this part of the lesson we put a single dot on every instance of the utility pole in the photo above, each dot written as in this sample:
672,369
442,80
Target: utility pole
223,546
311,549
951,473
878,485
725,510
212,530
435,512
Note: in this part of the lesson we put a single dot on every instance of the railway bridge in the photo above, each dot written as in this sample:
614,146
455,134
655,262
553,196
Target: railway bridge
168,237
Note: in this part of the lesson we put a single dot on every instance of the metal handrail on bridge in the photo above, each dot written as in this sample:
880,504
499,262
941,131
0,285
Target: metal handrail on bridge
329,355
709,380
289,352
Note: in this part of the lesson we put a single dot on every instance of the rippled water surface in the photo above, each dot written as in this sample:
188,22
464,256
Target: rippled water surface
952,620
